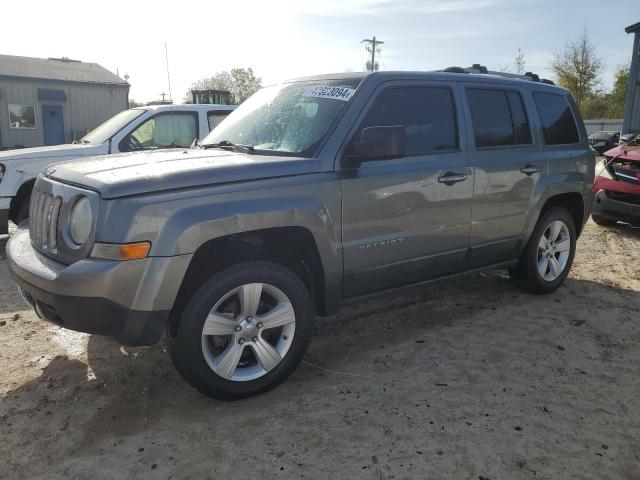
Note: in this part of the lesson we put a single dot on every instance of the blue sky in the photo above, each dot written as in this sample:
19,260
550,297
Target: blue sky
281,39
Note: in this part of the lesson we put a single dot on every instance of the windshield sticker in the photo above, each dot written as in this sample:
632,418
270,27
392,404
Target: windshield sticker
325,91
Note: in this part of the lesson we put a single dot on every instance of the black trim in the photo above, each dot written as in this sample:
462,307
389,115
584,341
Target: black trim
96,315
4,222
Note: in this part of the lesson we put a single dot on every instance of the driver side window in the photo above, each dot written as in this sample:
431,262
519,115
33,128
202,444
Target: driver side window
427,115
169,130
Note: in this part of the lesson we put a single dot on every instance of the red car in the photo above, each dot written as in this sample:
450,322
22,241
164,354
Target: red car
617,186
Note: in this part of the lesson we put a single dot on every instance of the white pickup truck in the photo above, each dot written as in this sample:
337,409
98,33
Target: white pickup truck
143,128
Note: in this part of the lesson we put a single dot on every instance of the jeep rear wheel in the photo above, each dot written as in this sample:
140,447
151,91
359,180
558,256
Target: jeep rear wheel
244,331
547,259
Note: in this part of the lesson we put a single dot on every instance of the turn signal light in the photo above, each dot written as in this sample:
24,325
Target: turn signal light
121,251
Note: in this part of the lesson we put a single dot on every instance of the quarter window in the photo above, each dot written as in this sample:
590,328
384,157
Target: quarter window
498,117
558,125
426,113
22,116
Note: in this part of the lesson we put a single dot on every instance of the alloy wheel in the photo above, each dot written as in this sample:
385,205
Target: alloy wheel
248,332
553,250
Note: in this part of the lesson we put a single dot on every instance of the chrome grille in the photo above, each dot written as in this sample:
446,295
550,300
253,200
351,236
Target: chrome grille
43,224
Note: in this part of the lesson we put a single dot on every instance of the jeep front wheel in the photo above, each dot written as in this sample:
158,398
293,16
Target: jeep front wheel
244,331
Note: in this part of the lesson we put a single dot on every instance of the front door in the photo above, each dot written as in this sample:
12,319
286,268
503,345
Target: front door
53,123
407,219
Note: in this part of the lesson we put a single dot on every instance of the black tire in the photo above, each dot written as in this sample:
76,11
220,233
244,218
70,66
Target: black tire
526,274
603,221
22,212
186,347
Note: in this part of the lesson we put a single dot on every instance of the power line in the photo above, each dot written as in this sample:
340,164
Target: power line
371,44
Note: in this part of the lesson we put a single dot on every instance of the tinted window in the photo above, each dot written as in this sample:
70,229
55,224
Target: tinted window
426,113
491,118
519,116
558,125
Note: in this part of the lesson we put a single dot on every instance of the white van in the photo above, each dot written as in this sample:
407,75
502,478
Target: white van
143,128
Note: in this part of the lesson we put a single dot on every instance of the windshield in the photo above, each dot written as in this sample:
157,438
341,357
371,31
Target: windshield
108,129
286,119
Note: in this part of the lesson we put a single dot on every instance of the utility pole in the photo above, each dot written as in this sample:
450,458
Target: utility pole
371,44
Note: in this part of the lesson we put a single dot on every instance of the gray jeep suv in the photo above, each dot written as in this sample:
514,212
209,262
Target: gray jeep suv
312,192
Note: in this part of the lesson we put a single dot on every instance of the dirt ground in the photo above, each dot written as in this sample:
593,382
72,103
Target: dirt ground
469,380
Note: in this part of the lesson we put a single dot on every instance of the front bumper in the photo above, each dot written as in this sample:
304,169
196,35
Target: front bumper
129,301
607,207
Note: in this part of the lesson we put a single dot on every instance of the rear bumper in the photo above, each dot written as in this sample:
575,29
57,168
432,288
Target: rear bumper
129,301
607,207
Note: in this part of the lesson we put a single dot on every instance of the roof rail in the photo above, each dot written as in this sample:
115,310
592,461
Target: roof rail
480,69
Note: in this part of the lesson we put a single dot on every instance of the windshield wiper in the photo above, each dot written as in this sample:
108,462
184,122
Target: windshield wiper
224,144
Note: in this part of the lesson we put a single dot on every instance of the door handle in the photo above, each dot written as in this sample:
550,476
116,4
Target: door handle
450,178
529,169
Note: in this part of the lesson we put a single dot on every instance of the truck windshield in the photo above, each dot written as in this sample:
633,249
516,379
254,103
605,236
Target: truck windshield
287,119
108,129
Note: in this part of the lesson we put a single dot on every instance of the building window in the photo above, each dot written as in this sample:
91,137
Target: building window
22,116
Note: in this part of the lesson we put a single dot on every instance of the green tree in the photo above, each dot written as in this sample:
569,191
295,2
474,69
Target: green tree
577,67
596,106
240,82
619,92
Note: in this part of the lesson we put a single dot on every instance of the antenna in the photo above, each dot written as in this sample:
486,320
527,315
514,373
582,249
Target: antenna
166,57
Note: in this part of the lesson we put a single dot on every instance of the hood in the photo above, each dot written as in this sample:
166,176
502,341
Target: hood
67,150
625,153
144,172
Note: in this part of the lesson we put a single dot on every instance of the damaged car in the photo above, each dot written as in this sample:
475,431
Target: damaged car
617,185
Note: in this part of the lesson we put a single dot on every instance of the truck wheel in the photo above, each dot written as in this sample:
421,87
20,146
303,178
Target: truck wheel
244,331
22,212
603,221
547,259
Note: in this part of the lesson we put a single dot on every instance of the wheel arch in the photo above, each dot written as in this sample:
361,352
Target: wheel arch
293,247
572,202
23,194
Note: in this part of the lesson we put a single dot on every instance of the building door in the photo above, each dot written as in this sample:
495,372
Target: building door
53,123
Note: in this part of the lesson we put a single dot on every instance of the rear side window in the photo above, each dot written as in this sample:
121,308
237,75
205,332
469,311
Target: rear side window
426,113
558,125
498,117
215,117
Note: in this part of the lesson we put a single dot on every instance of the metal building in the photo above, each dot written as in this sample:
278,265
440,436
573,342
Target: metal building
632,106
55,100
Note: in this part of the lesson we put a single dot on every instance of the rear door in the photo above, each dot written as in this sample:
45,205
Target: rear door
407,219
508,164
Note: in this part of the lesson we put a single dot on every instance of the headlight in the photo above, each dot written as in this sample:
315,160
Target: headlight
80,220
602,171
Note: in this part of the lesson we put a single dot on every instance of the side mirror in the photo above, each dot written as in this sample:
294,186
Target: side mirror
376,143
